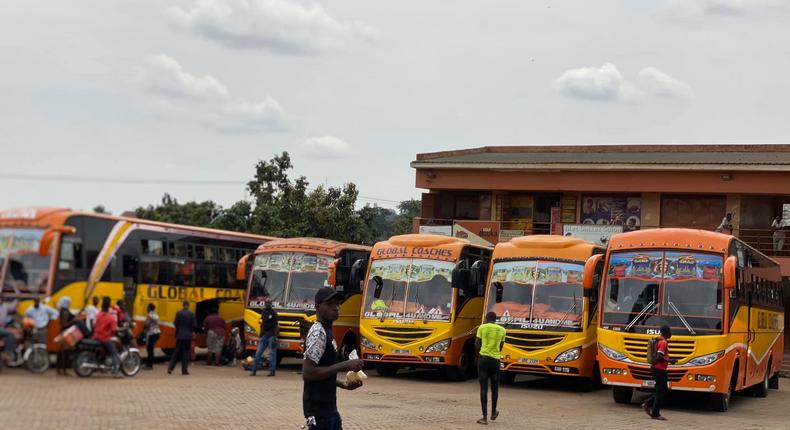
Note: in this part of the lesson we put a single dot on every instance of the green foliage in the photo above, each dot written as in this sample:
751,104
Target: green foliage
285,207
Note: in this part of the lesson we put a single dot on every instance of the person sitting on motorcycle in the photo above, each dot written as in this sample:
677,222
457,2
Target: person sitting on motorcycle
42,315
106,327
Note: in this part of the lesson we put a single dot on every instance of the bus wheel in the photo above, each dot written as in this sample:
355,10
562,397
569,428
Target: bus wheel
773,383
463,370
386,370
622,394
721,402
507,378
761,389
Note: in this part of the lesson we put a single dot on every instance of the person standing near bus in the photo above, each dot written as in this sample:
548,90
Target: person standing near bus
185,324
490,340
268,339
778,234
215,337
320,366
152,332
90,313
66,318
42,315
8,336
652,405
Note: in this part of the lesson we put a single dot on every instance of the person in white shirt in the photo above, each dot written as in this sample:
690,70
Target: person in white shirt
779,233
42,315
90,312
726,224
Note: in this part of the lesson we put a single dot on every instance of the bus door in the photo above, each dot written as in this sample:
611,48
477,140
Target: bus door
130,275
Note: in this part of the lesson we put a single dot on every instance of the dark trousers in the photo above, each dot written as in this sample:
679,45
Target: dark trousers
328,422
488,371
182,352
655,401
149,347
109,346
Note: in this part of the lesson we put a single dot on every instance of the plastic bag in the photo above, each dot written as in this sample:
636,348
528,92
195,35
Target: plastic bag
352,376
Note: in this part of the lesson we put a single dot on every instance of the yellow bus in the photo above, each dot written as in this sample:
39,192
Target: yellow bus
544,296
423,300
289,272
722,299
49,253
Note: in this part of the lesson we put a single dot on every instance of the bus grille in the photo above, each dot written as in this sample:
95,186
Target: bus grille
645,374
533,341
528,368
401,358
292,327
678,349
403,335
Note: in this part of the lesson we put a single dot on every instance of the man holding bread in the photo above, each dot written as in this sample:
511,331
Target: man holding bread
321,366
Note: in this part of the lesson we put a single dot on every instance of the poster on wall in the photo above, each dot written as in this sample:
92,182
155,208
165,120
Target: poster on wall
624,211
506,235
485,233
568,209
598,234
444,230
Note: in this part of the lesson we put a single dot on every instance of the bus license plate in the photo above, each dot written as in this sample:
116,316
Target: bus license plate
529,360
284,345
648,383
401,351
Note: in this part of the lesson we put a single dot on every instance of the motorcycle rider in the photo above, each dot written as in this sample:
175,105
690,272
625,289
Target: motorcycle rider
106,327
10,338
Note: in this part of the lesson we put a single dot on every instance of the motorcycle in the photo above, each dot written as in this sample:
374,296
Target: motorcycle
29,353
90,355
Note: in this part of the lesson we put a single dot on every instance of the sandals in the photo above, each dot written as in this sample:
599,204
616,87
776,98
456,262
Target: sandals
482,421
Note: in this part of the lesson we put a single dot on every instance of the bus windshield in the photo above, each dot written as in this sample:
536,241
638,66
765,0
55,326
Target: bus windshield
417,289
22,269
645,290
289,279
537,294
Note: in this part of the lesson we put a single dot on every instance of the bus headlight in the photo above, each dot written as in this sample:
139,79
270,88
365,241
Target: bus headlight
250,330
706,359
609,352
569,355
440,346
366,343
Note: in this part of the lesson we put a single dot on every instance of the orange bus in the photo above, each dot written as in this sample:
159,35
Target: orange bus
722,299
289,272
423,300
542,294
49,253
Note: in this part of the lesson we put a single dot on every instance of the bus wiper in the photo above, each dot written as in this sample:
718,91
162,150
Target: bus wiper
562,321
648,307
683,320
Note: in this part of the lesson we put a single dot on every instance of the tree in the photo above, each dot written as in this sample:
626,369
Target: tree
407,211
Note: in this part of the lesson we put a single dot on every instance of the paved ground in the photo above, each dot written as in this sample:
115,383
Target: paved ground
226,398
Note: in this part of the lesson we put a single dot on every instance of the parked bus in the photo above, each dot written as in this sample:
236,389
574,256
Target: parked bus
423,300
289,272
722,299
544,296
49,253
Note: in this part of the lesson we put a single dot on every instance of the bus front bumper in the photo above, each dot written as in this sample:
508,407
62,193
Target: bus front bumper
680,378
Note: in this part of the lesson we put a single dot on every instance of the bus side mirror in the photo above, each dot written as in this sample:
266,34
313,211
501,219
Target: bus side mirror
356,274
590,277
477,274
49,236
498,289
379,285
730,276
461,276
241,268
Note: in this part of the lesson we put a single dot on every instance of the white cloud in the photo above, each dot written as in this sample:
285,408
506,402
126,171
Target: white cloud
325,147
282,26
206,100
659,83
695,8
606,83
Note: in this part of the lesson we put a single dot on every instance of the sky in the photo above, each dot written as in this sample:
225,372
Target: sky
115,103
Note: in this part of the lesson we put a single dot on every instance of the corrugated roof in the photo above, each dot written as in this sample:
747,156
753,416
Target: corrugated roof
612,155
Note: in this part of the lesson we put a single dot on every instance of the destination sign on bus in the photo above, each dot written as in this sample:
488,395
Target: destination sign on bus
414,252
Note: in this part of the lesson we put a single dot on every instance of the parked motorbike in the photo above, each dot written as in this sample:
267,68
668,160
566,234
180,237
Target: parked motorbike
29,352
90,355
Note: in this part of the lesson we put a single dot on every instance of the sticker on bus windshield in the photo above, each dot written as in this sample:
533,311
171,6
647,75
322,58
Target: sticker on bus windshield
693,266
645,265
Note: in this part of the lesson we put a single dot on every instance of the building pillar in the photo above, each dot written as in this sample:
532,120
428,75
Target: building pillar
734,207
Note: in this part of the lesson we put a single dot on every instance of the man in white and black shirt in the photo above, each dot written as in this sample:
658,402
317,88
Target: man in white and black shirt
321,366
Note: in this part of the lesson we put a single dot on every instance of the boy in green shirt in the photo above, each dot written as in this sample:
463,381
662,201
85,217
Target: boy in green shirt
490,340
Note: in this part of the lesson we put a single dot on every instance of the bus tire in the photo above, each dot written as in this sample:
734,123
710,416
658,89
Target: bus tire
721,402
507,378
592,383
386,370
622,395
464,369
761,389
